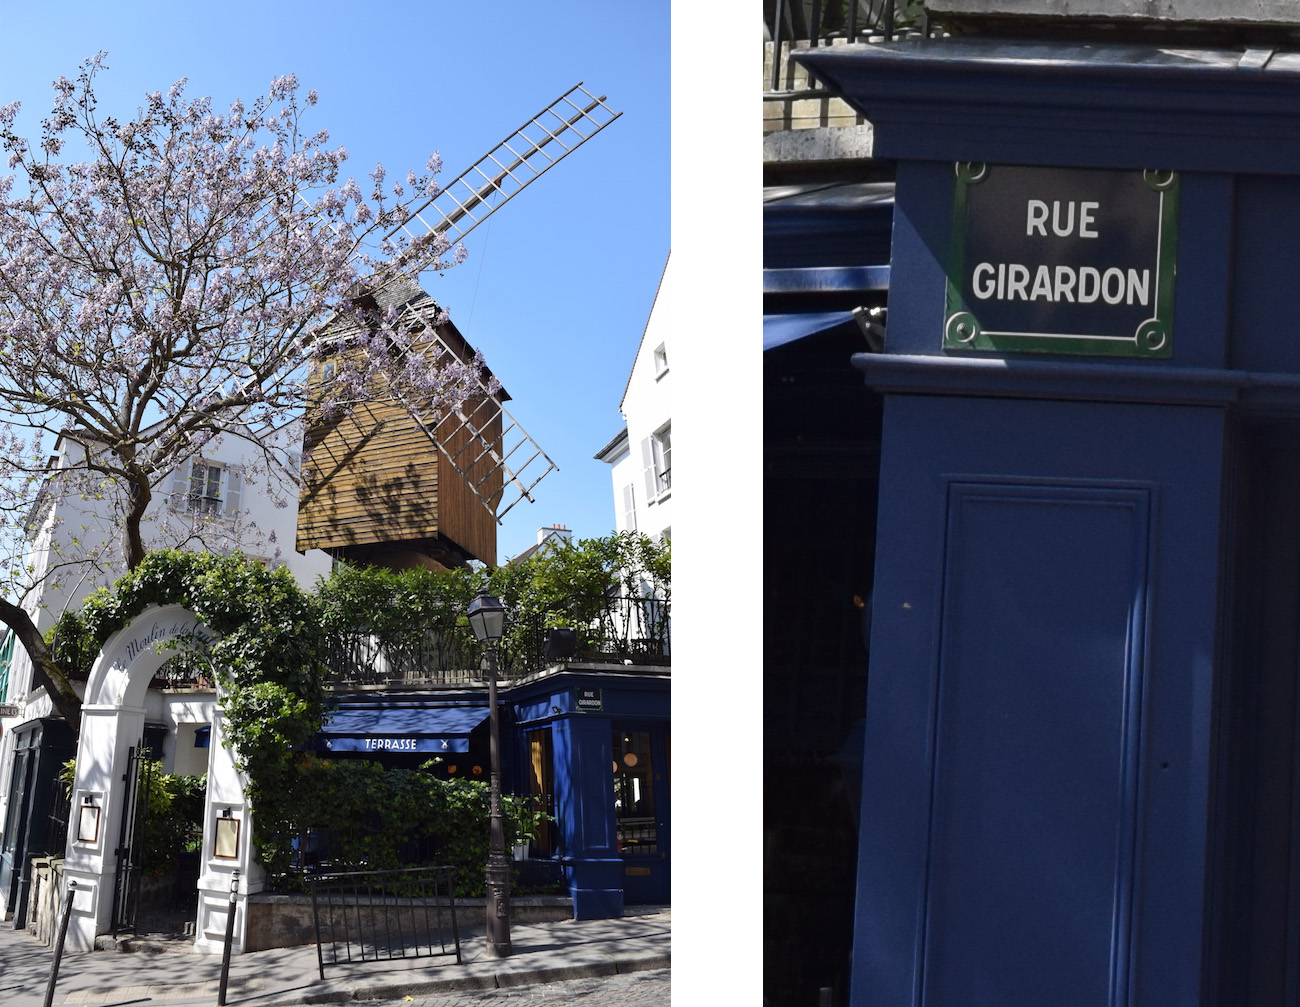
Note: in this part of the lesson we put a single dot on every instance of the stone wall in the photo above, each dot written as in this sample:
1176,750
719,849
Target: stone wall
46,899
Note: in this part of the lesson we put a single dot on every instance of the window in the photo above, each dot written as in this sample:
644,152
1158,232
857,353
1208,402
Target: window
661,360
211,490
634,793
656,461
541,786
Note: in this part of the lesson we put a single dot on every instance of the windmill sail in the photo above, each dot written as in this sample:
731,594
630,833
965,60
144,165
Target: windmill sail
520,159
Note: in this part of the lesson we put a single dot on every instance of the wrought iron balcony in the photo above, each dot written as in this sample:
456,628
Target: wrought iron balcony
805,24
617,631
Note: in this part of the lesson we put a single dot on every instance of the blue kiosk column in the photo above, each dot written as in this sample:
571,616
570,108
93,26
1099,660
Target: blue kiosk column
1079,345
586,817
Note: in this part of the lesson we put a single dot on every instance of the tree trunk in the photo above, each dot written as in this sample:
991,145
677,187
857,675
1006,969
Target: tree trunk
138,495
45,672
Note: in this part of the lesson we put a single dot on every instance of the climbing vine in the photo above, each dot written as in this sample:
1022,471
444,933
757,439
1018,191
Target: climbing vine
266,659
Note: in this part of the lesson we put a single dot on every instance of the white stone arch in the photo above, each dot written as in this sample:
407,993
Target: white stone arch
112,721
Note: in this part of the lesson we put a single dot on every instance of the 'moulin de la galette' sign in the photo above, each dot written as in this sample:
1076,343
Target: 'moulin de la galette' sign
1062,260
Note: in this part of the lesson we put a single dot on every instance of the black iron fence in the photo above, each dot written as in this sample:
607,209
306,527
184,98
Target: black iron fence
373,916
604,629
804,24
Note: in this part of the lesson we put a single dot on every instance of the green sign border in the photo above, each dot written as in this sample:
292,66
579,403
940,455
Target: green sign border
577,701
1152,339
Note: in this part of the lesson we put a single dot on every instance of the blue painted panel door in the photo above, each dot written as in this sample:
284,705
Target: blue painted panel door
1036,765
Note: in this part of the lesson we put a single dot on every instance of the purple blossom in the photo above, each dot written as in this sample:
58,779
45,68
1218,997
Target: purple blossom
176,295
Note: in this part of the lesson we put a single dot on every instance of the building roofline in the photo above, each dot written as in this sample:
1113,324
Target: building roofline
646,328
619,440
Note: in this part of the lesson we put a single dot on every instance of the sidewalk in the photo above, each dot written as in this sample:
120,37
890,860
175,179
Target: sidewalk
543,952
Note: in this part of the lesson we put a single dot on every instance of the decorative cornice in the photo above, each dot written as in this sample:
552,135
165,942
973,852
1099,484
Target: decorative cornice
1038,379
1033,102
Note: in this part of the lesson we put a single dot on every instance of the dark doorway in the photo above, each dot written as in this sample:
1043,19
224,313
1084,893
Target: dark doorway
1256,820
821,463
37,821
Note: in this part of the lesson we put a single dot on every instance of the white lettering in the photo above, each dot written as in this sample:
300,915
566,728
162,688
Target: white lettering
1017,281
1064,284
1089,284
1086,220
1011,281
1057,229
1042,284
1036,217
1115,295
1063,221
981,287
1139,284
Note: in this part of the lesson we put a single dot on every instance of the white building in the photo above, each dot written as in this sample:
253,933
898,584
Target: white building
640,455
227,498
547,537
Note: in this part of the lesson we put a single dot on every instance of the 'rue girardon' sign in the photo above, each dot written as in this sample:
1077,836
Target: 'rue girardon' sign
1062,260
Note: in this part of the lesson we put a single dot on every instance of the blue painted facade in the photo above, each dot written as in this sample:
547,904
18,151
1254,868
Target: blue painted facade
561,738
603,865
1081,739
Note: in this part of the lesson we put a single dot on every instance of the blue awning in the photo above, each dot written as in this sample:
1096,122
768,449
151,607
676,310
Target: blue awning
400,728
781,329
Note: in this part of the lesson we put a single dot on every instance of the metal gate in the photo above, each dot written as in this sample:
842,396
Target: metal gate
130,846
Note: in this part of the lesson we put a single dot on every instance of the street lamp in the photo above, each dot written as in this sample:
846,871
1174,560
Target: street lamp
487,617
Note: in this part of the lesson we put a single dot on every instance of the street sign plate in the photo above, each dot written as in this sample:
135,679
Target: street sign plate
1062,260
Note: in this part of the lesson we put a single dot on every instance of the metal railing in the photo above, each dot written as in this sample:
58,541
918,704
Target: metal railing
606,629
372,916
805,24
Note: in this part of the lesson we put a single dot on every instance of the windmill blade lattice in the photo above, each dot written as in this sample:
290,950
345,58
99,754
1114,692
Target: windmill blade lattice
521,158
495,456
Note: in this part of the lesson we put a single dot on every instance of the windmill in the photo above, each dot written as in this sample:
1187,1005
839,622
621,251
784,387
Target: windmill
390,486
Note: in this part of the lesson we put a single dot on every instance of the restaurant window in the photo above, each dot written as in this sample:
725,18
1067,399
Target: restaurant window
634,796
541,786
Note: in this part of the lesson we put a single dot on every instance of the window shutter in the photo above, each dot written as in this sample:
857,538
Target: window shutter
664,446
629,508
195,501
179,492
234,491
648,468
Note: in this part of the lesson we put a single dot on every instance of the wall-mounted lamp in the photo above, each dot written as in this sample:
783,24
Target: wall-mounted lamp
225,839
871,323
88,820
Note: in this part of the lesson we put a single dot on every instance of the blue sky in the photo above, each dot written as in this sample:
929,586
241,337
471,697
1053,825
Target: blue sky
559,282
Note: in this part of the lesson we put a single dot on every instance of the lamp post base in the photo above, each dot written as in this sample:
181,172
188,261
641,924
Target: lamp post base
498,906
494,950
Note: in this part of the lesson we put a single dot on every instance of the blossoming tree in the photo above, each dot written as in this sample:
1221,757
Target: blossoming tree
166,280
